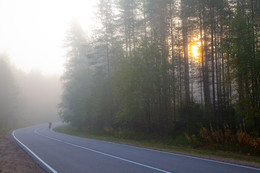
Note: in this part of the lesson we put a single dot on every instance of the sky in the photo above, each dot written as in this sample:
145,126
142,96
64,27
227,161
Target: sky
32,32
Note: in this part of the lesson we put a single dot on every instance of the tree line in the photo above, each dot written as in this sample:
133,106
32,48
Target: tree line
165,67
26,98
8,94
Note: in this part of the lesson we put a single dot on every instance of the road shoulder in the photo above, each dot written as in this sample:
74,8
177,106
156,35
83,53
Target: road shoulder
14,158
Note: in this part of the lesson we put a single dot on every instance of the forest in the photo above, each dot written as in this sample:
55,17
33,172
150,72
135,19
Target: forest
167,68
26,98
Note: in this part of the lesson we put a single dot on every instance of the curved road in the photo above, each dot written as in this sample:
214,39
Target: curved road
57,152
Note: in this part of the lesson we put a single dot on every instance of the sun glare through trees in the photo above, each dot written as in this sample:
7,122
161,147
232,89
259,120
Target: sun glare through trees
195,50
174,69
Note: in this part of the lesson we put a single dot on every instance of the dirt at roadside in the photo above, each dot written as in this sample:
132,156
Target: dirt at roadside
13,159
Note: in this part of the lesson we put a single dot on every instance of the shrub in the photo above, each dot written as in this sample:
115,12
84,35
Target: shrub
217,139
204,134
217,136
108,129
229,136
243,138
188,138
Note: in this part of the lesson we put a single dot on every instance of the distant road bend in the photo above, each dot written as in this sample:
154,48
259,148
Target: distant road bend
57,152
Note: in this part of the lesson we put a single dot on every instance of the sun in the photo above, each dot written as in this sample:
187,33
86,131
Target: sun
194,50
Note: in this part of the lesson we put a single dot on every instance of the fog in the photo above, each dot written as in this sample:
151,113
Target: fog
39,95
27,98
30,96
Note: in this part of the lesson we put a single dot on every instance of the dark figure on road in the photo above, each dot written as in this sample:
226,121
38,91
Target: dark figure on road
50,125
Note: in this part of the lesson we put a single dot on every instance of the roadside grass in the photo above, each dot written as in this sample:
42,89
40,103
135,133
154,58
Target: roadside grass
177,145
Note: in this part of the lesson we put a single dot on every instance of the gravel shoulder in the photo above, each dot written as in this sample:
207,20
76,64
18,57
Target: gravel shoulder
14,159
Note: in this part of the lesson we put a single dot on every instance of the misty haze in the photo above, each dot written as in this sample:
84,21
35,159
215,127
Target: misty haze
130,86
27,98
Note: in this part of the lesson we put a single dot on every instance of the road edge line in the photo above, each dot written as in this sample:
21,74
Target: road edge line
100,152
28,150
194,157
175,154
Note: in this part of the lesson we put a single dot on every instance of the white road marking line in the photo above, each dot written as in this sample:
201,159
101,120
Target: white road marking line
37,157
99,152
183,155
194,157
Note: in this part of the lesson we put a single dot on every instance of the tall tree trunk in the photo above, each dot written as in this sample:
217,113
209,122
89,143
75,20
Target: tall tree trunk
204,63
212,61
173,63
186,58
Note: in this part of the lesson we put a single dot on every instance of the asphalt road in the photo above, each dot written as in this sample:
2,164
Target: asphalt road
63,153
